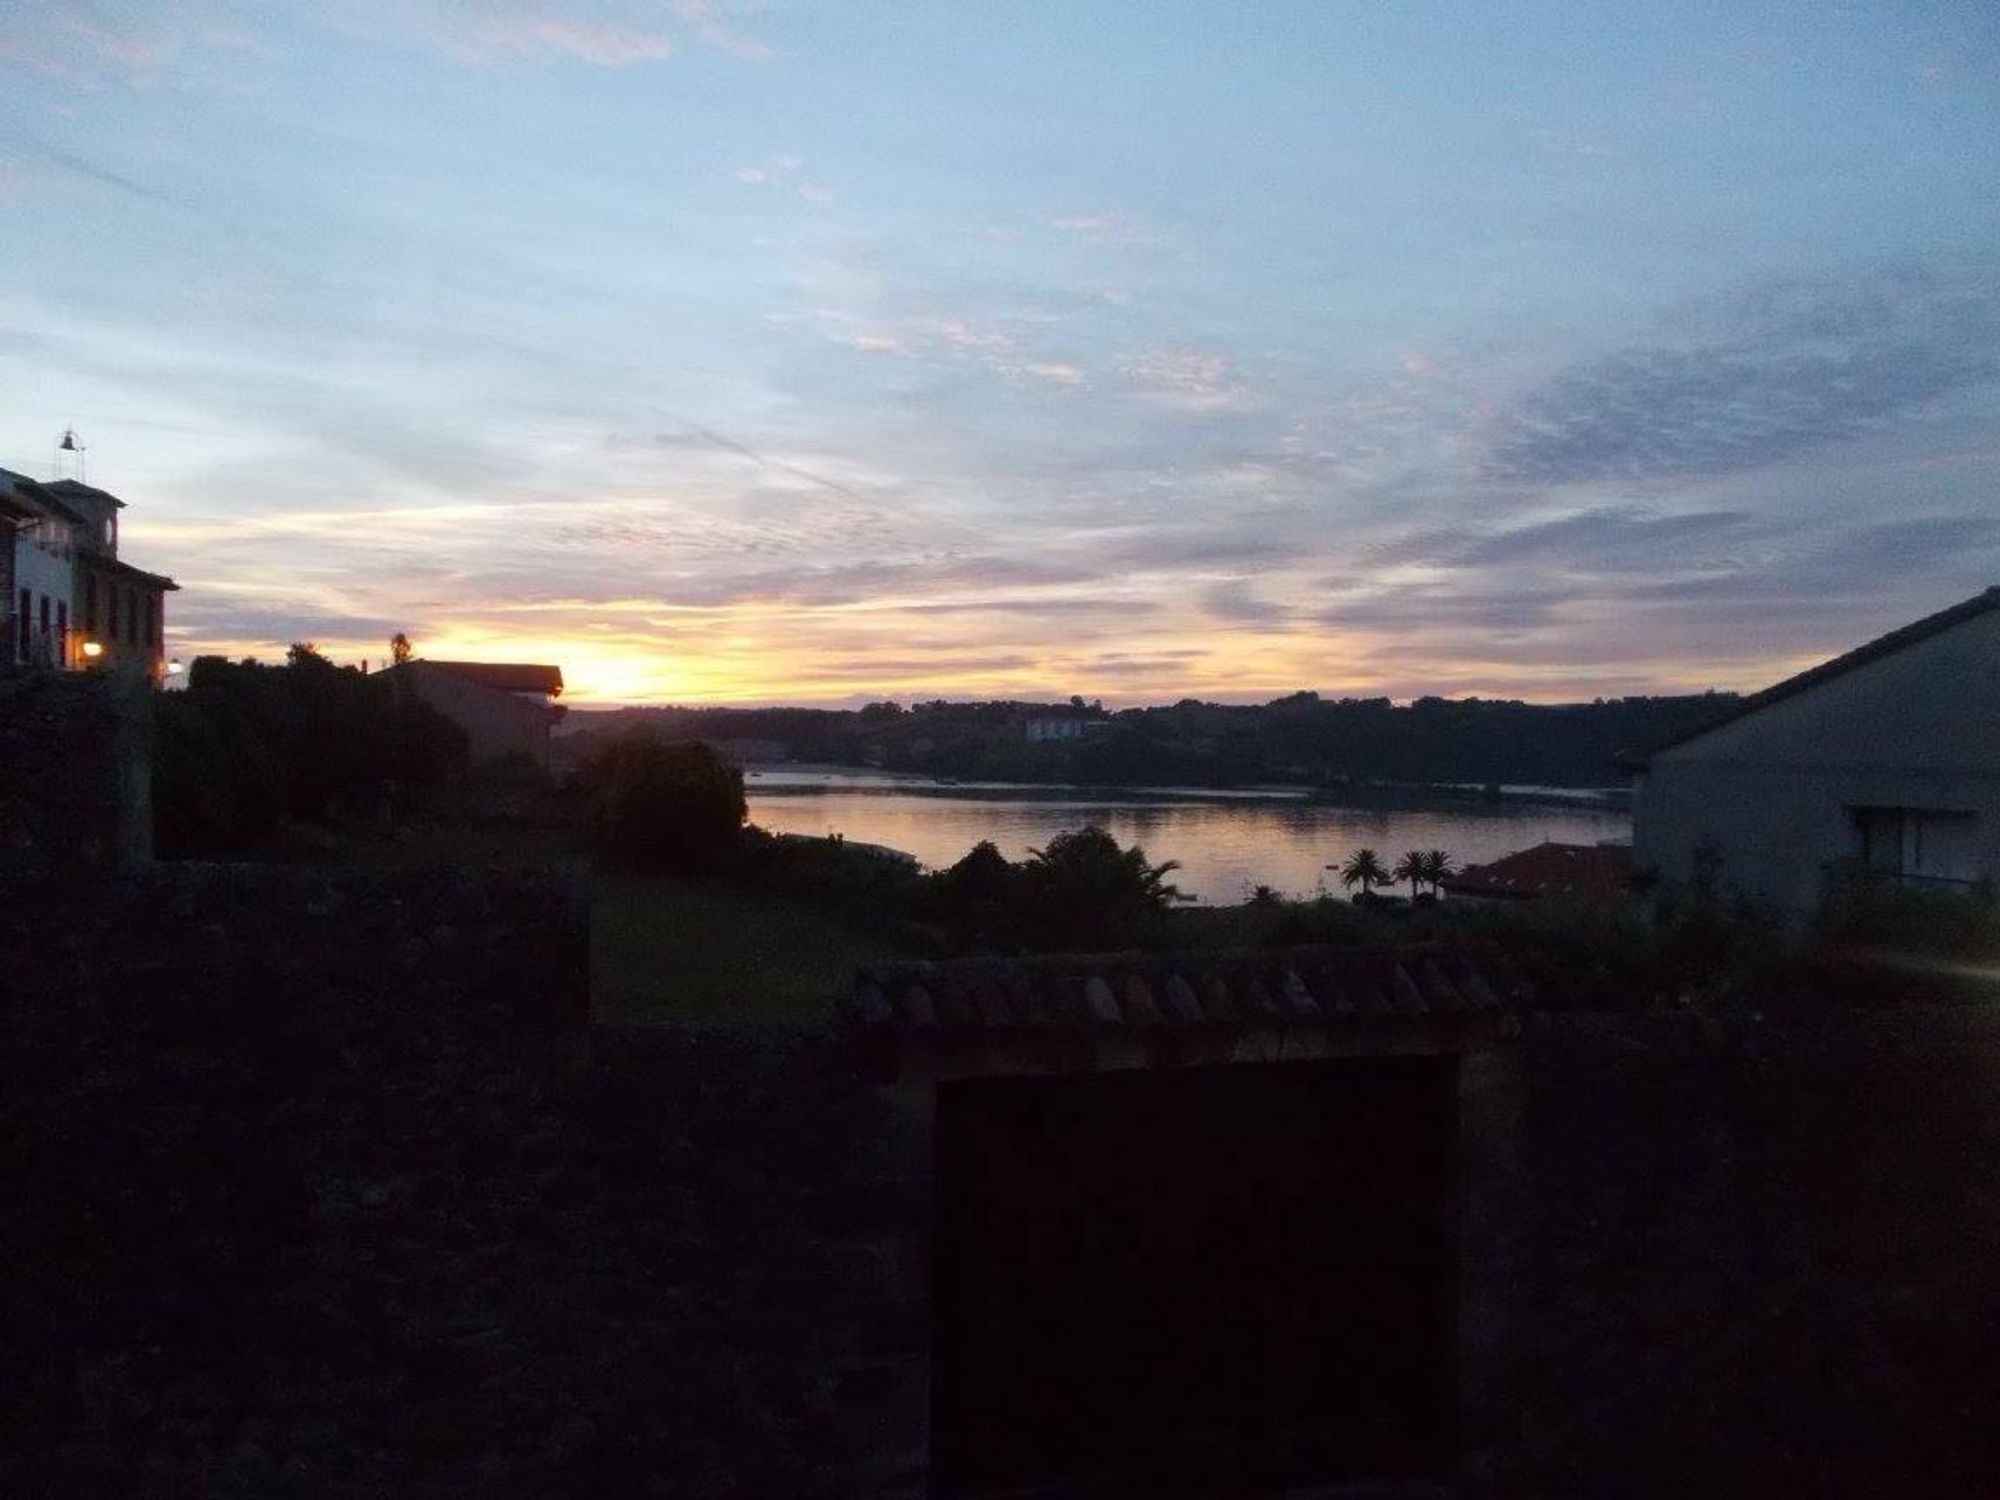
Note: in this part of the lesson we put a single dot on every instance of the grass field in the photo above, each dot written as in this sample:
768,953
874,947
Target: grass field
671,949
714,952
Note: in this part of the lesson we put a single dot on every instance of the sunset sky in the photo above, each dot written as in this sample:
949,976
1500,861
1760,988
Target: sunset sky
801,351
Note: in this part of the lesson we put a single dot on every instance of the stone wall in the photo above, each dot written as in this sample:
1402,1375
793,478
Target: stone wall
1728,1255
75,775
1763,1256
313,1187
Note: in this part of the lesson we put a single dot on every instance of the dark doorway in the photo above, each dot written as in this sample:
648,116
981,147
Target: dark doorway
1213,1281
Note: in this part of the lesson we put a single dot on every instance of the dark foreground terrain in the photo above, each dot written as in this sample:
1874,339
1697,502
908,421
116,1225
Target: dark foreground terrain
332,1211
318,1183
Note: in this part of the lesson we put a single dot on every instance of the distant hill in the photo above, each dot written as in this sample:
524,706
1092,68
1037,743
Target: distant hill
1299,738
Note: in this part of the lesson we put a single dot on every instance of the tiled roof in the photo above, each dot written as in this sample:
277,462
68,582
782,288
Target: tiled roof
508,677
76,489
1860,656
1146,992
125,569
1549,869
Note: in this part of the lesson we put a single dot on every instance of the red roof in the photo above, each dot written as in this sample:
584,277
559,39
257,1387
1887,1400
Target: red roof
1549,869
507,677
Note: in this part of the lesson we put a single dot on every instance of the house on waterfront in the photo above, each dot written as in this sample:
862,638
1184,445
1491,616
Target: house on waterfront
1572,872
72,603
1882,758
505,708
1047,729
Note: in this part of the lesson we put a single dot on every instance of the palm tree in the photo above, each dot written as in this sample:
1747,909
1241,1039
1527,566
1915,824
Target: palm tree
1084,889
1411,867
1437,869
1363,868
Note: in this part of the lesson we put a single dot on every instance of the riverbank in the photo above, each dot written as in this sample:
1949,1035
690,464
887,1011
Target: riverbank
1225,844
805,780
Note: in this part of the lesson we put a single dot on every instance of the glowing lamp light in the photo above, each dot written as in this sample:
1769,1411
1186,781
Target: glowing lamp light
173,666
93,649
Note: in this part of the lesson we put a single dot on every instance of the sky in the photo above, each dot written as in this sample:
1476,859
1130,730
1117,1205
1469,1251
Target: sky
831,350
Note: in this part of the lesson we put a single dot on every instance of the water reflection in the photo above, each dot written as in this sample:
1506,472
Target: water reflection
1224,847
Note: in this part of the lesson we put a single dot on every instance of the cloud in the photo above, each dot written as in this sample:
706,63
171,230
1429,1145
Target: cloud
602,33
782,171
1600,539
92,45
1727,600
607,46
705,16
1190,380
952,339
1781,369
1238,602
1055,372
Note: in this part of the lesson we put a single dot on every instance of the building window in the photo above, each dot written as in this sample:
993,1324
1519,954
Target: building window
27,622
1920,845
45,614
62,631
90,605
111,612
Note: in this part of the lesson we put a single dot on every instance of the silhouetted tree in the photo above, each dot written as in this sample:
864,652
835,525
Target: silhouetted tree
663,806
1083,890
1411,868
983,875
1437,868
1364,868
399,648
248,746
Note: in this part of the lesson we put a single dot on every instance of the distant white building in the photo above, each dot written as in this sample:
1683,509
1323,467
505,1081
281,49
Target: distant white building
1888,756
1047,728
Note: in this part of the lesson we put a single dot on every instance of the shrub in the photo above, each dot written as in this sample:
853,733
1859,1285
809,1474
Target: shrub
246,746
663,806
1083,891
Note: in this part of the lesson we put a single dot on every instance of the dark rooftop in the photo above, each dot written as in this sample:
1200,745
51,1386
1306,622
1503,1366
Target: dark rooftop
1548,869
77,489
999,1015
507,677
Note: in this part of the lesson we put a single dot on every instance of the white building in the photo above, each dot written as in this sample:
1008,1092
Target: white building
38,572
71,603
1048,728
1888,756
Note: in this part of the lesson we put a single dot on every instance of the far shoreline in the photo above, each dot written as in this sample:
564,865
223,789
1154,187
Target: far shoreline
861,781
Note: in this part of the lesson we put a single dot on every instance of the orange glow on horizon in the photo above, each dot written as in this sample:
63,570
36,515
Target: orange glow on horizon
770,656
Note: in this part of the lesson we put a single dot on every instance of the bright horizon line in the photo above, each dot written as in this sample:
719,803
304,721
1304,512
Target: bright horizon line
587,702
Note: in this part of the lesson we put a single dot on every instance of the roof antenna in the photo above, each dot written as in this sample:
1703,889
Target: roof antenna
69,444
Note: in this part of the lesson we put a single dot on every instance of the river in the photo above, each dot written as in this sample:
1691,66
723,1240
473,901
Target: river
1226,842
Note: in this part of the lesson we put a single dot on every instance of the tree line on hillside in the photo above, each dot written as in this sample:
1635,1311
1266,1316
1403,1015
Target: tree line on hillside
1301,738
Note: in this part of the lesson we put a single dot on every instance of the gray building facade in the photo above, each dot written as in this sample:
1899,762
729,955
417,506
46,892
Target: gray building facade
1887,757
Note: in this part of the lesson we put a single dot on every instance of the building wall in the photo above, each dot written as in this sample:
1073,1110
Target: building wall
1775,793
42,566
496,724
1040,730
137,644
